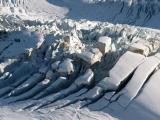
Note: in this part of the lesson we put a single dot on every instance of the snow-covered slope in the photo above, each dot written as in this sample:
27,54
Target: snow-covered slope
32,9
56,63
133,12
46,45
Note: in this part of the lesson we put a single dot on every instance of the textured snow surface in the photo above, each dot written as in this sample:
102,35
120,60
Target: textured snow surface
134,12
68,114
52,68
31,9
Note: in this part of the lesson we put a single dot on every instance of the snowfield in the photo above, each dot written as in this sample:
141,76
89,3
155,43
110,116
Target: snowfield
79,60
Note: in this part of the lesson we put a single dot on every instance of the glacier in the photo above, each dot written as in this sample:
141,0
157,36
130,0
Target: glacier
83,59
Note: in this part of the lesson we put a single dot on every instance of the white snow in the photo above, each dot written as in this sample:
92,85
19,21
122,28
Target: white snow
125,66
66,67
91,56
139,48
104,44
43,44
32,9
139,78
